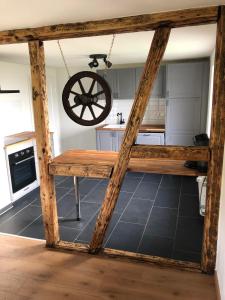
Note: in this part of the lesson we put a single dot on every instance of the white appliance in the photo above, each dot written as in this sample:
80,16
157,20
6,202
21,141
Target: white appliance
22,167
202,183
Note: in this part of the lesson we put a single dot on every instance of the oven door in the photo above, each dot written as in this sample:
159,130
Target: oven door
22,173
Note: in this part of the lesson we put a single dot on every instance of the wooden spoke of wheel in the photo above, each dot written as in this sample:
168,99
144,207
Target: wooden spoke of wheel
92,86
92,111
98,105
98,93
81,86
82,111
75,93
75,105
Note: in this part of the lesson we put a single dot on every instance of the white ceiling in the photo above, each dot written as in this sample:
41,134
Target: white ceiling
129,48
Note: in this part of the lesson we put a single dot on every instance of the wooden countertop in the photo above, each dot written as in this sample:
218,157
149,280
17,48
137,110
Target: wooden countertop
19,137
144,128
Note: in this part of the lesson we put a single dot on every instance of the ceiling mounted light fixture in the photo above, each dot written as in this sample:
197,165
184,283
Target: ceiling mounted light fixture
94,63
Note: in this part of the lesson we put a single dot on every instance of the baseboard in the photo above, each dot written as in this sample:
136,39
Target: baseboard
218,296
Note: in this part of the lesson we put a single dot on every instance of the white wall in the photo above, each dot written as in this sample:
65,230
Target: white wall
16,112
220,261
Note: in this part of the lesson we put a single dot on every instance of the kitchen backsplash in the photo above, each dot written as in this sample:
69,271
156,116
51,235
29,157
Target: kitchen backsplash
155,113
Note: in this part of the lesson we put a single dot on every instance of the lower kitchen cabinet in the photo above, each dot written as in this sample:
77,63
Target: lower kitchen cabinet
150,138
108,140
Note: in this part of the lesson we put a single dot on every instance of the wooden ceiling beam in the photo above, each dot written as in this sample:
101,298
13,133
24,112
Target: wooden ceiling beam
172,19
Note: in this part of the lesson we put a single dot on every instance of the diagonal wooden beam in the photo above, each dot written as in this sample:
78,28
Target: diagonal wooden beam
217,139
171,152
40,108
155,55
173,19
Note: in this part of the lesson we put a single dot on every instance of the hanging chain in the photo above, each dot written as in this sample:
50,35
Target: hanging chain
110,50
64,60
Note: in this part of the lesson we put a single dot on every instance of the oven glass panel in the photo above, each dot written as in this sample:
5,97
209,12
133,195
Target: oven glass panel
23,171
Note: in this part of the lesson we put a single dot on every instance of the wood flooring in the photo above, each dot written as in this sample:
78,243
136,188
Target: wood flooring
30,271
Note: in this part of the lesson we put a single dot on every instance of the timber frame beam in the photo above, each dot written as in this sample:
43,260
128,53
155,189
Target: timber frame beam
162,23
172,19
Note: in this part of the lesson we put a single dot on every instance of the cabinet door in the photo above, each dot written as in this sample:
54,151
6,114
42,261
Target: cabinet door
107,140
182,120
159,84
126,83
184,80
150,139
111,77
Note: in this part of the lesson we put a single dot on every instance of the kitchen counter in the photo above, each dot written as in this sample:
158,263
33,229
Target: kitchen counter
143,128
19,137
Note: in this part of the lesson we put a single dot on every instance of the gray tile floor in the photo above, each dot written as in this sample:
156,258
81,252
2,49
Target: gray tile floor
155,214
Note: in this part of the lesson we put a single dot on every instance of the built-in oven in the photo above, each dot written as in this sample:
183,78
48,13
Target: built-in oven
22,170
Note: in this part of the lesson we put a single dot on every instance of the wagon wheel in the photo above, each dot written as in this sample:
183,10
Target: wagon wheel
78,104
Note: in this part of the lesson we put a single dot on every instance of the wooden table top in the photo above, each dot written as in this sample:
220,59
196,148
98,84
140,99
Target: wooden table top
19,137
97,159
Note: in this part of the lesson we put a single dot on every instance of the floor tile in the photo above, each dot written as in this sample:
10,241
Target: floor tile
171,182
146,190
162,222
187,256
34,230
134,175
137,211
189,234
167,198
87,233
155,245
122,202
87,185
88,211
21,220
68,234
97,195
126,236
189,206
130,184
155,178
189,185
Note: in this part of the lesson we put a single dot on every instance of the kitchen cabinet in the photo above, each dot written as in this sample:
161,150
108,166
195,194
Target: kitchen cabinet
111,140
159,84
106,140
186,102
124,82
150,139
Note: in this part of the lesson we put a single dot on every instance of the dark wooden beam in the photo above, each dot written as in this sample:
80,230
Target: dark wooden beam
173,19
40,108
170,152
217,139
155,55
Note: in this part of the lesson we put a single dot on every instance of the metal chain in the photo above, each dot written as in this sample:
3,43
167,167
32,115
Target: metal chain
64,60
110,49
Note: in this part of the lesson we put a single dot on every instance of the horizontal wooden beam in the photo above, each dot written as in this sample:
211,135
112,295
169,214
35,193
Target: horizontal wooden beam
173,19
171,152
131,256
80,170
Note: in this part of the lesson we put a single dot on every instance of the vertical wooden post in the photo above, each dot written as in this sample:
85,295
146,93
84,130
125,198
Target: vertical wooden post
155,55
217,138
40,108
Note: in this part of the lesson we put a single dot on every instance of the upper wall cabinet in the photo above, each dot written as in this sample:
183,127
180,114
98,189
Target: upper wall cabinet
184,80
124,82
159,84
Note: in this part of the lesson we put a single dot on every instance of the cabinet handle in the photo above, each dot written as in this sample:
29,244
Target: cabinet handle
147,134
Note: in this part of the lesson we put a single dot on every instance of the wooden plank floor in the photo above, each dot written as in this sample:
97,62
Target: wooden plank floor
30,271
